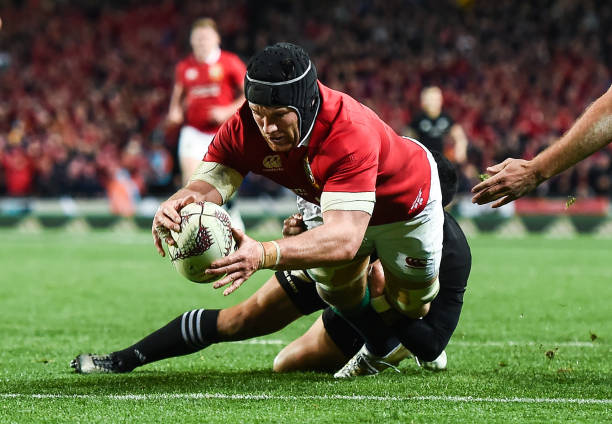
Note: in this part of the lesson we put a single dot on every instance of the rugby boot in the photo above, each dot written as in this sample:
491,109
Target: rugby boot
88,363
366,363
438,364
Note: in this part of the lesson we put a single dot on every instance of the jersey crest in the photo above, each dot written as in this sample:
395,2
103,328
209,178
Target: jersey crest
191,74
215,72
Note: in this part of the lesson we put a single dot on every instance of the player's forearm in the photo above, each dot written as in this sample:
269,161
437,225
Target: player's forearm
325,245
591,132
337,240
200,190
238,102
232,108
175,109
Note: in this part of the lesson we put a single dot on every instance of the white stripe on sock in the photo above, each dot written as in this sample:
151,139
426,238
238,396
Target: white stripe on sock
198,319
192,337
184,328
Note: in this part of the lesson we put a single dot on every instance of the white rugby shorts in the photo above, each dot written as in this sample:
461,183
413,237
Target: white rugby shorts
411,250
193,143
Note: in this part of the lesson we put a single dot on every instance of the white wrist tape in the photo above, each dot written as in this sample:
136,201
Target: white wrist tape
278,252
263,255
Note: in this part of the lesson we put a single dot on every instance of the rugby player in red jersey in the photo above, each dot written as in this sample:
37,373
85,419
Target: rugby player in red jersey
207,91
287,295
377,191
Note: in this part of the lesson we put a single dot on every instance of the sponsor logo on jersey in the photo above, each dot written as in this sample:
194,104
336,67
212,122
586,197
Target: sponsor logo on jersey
418,202
215,72
273,163
191,74
209,90
416,262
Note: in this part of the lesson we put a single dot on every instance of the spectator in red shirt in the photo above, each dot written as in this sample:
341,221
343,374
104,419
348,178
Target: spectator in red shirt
18,172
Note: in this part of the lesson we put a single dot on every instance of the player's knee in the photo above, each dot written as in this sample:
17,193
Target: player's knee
342,287
280,363
429,350
344,299
287,360
411,301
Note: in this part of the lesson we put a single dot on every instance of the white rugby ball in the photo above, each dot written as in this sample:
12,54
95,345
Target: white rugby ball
205,236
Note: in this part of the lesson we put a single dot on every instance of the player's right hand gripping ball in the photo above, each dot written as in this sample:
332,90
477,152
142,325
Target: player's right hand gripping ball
205,236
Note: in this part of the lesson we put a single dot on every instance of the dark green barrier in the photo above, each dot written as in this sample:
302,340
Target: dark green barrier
7,221
586,223
101,221
53,221
489,222
538,223
143,222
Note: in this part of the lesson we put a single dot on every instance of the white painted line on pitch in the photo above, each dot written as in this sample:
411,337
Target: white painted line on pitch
263,342
525,343
162,396
452,343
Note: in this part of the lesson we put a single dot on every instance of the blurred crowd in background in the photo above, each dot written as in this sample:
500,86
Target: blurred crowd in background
85,85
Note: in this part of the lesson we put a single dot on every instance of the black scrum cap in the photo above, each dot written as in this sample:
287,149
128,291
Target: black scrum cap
283,75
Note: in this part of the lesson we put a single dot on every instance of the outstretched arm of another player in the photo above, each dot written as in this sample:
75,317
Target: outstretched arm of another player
513,178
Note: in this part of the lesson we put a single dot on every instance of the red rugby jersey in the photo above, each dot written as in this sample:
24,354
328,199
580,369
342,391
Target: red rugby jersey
208,85
350,150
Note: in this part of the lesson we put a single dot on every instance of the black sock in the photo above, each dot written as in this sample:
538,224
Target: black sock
421,338
379,338
188,333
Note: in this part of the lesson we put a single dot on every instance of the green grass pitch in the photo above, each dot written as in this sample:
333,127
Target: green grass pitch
534,342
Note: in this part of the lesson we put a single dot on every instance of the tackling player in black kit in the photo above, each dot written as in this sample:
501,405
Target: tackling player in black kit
288,295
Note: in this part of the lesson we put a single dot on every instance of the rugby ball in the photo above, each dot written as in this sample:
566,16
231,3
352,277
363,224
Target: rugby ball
205,236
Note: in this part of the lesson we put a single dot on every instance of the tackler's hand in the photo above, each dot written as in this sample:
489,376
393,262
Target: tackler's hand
293,225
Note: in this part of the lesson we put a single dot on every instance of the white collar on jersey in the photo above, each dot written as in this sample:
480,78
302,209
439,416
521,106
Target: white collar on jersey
213,56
